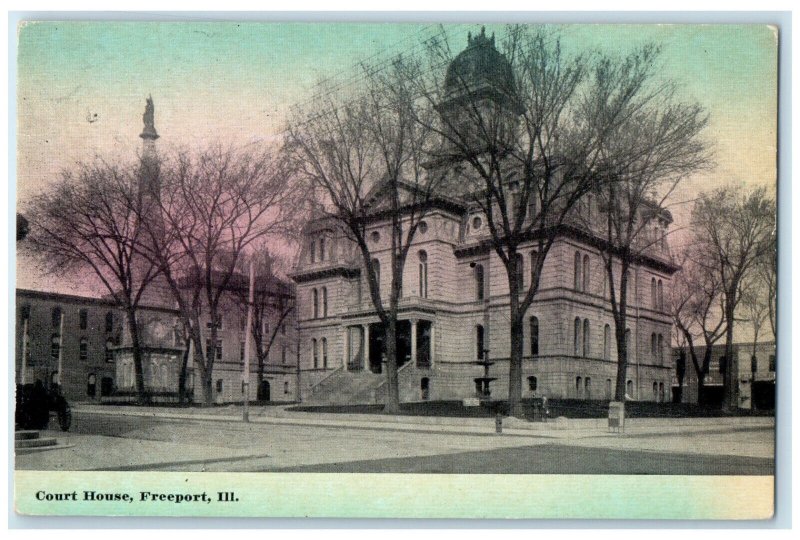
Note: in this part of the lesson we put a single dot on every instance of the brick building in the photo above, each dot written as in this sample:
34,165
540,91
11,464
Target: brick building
454,304
756,375
92,346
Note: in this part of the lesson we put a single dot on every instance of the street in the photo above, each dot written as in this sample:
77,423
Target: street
150,443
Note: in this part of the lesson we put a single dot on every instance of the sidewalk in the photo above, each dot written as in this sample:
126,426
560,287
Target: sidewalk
559,428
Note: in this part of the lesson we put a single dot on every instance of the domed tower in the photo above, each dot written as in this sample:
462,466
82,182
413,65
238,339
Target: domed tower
479,89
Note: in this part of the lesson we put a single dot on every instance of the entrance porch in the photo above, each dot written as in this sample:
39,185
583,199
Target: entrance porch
365,345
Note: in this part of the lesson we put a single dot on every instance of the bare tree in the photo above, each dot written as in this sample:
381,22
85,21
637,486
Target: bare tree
696,305
273,302
645,157
767,271
544,132
90,220
755,306
364,154
734,229
212,206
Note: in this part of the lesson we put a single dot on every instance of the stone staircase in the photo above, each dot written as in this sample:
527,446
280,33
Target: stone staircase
346,387
29,441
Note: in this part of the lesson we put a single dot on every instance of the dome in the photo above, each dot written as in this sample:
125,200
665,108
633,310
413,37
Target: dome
479,67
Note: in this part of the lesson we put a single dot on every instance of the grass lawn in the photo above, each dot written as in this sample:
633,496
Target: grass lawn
569,408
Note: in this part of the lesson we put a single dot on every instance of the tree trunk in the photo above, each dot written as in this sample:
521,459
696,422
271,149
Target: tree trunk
182,372
622,362
205,394
392,404
133,328
731,400
515,367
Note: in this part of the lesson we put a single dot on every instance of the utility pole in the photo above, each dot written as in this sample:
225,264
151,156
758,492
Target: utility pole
60,350
24,351
246,374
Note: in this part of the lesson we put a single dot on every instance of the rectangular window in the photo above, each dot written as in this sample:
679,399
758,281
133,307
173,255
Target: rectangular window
83,316
772,362
217,350
218,323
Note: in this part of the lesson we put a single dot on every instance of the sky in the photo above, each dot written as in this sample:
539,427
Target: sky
81,88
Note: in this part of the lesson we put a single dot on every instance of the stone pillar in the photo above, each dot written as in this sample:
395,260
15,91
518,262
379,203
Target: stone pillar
414,342
365,335
345,347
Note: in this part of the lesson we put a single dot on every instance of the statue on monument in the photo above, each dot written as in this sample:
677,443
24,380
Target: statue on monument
149,120
149,111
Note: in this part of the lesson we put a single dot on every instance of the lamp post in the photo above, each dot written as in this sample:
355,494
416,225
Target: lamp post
246,374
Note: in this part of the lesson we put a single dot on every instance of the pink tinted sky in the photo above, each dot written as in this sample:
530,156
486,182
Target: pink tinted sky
81,89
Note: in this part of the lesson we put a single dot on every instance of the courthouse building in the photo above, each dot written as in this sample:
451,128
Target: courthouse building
455,299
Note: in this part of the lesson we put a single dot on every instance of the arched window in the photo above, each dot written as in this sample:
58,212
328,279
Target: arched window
314,352
534,325
653,293
653,346
322,249
313,251
283,353
83,348
577,337
586,273
578,387
586,341
607,342
655,391
109,321
56,317
629,388
661,395
164,376
376,268
55,346
608,388
109,352
660,295
324,353
479,343
315,302
91,385
534,260
533,205
479,283
660,345
324,302
577,270
587,385
520,271
83,318
628,343
423,274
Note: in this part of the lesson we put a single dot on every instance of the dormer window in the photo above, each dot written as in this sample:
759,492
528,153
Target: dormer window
476,223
